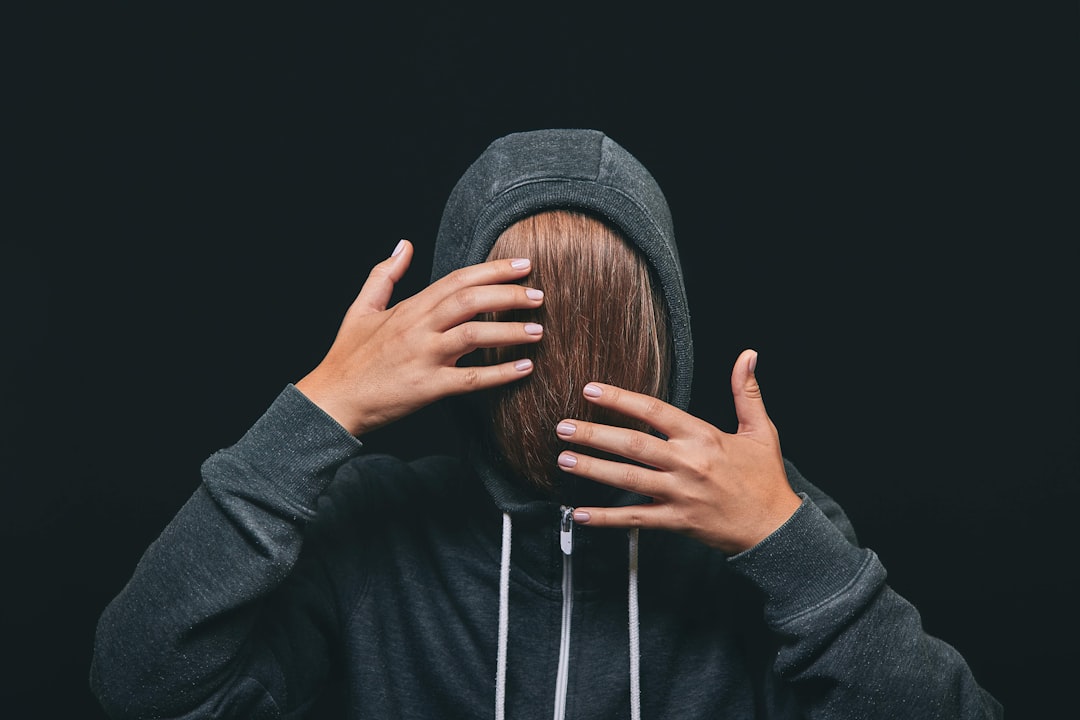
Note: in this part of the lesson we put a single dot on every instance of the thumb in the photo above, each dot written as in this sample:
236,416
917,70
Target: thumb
375,294
749,405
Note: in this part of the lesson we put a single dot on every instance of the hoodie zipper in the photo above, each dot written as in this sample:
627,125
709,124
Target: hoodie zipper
566,543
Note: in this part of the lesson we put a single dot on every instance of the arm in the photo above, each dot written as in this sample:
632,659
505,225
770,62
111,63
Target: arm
179,635
850,647
183,638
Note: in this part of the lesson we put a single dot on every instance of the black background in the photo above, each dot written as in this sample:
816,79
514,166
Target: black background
872,195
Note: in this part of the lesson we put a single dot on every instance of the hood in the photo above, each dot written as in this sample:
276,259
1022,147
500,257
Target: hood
522,173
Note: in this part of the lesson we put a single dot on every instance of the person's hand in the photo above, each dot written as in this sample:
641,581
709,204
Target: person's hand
729,491
388,362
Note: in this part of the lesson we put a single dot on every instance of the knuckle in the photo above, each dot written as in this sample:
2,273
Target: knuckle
458,278
465,298
637,443
654,407
471,378
772,428
752,390
468,335
379,272
682,519
707,437
698,465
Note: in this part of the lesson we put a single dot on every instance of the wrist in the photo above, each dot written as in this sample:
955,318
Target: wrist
775,514
329,401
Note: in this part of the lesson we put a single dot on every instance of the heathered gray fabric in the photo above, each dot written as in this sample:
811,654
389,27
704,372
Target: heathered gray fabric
300,560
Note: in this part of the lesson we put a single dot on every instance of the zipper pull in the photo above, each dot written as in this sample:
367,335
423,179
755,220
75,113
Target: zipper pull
566,530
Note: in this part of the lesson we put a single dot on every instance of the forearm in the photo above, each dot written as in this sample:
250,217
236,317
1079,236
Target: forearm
850,645
179,632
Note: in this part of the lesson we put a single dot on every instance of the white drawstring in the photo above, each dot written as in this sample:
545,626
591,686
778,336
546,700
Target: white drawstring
504,620
635,639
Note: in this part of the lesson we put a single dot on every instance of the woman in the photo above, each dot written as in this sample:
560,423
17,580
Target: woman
503,582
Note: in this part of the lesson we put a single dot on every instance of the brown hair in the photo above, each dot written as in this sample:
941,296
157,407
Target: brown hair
604,319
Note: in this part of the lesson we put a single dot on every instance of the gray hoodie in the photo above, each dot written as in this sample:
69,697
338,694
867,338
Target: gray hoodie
306,567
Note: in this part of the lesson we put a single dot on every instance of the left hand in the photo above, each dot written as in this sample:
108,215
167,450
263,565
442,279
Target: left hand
729,491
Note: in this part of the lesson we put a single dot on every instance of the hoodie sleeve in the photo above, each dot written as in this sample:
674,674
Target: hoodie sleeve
183,637
850,646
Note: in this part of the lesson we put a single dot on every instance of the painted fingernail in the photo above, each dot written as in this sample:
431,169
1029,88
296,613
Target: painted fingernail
567,460
565,428
580,516
753,362
520,263
592,391
523,365
533,329
398,248
534,294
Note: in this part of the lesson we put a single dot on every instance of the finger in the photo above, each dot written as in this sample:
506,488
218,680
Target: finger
657,516
492,272
624,475
379,287
749,404
459,380
658,414
632,444
468,302
469,336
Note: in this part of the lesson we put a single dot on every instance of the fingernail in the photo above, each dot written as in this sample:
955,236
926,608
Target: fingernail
592,391
534,294
397,249
533,329
520,263
565,428
567,460
753,362
580,516
523,365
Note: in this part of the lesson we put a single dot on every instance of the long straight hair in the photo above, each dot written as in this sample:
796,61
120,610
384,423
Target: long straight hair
604,320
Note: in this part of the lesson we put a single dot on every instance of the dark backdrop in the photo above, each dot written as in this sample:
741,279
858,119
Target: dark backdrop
872,196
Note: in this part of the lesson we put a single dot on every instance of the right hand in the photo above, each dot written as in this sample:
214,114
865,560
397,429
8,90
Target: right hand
388,362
